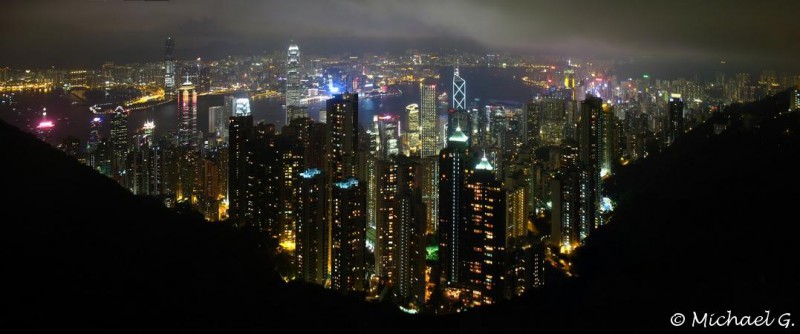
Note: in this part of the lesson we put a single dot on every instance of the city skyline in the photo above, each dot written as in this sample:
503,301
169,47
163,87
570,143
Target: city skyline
488,166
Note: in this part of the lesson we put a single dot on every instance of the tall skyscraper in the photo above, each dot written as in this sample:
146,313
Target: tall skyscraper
342,115
169,67
348,249
412,133
291,159
295,112
187,116
149,132
386,140
484,252
312,246
593,140
458,118
453,164
411,252
241,162
218,117
294,93
386,248
44,129
675,118
428,117
119,142
459,91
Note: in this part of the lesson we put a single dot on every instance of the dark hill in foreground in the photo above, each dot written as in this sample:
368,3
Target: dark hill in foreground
706,225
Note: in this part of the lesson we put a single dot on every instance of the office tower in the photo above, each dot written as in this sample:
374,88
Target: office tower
386,247
410,234
367,170
149,132
526,268
412,133
119,143
566,217
675,118
484,241
218,123
459,91
552,120
294,112
95,126
386,140
208,201
169,67
315,149
531,123
101,157
44,129
428,117
294,90
269,175
458,118
187,116
517,215
454,164
429,182
342,114
498,126
311,229
291,158
348,267
592,147
241,162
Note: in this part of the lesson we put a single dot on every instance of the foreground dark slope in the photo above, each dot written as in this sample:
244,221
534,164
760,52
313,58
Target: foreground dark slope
80,252
704,226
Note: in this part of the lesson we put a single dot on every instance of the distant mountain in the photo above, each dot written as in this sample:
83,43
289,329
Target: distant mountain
707,226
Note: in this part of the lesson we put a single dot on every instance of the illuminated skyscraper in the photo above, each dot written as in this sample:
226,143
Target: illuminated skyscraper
454,164
218,123
294,112
458,118
386,140
386,247
119,142
428,116
348,249
241,162
342,118
593,143
411,233
459,91
429,182
484,253
517,217
294,90
149,132
44,129
187,116
291,158
312,246
412,135
675,118
169,67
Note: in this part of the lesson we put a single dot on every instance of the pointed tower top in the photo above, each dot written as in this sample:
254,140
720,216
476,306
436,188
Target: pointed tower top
484,164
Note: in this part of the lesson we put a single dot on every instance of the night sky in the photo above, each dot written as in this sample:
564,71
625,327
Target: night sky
41,33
